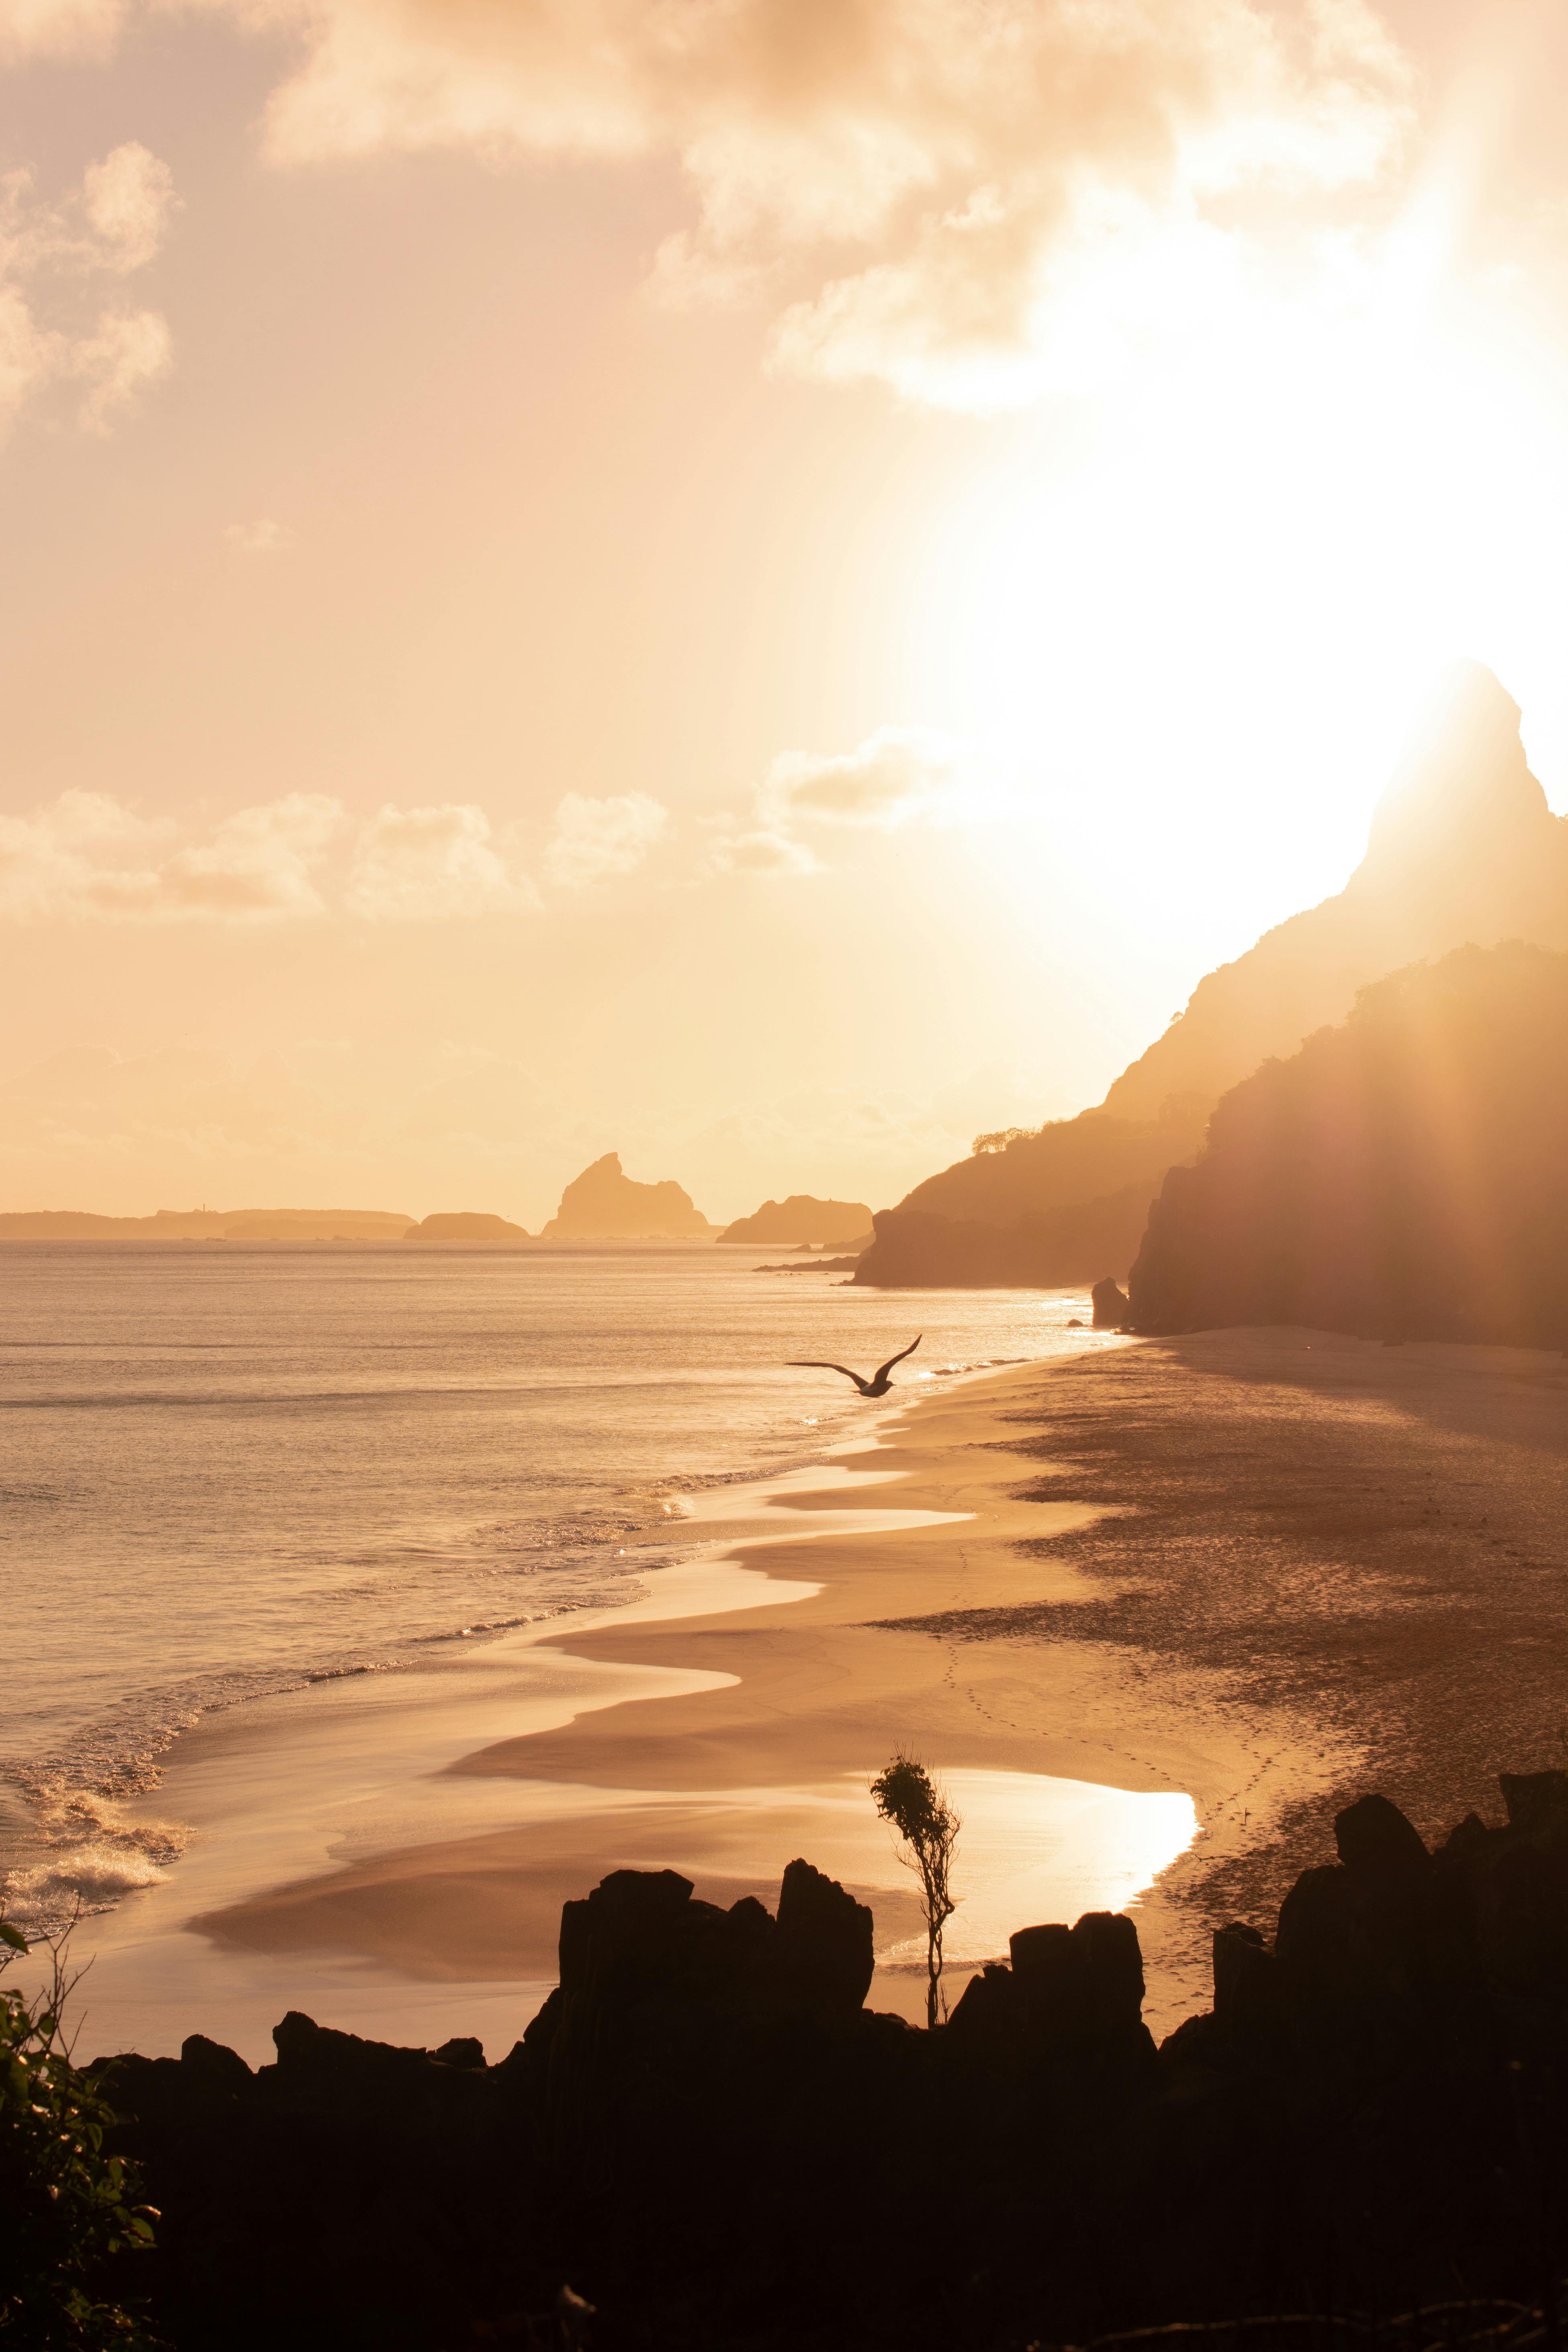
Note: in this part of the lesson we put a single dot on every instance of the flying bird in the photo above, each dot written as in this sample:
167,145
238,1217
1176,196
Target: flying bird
877,1385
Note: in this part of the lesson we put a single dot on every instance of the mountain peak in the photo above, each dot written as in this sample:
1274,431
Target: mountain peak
1461,781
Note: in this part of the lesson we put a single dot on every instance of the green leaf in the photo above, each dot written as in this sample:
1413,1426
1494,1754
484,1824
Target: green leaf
12,1936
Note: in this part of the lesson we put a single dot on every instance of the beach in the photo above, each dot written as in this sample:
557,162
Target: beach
1154,1613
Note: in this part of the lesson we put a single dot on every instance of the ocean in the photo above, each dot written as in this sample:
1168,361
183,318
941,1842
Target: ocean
228,1471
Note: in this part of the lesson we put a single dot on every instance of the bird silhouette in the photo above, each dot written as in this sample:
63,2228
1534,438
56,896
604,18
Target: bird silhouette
877,1385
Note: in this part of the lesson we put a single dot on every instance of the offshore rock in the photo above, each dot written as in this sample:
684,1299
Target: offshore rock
1111,1306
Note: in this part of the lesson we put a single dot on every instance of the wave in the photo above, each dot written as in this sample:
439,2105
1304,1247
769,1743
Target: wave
90,1858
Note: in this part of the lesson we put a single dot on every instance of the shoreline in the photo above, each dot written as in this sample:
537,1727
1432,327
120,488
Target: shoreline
1131,1578
729,1774
223,1776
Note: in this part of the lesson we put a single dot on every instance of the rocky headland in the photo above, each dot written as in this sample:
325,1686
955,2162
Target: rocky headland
1400,1177
1463,849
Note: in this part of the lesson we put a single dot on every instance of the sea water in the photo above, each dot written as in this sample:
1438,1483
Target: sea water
229,1470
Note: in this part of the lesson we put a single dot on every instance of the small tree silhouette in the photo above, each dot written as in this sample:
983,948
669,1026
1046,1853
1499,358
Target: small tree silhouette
917,1806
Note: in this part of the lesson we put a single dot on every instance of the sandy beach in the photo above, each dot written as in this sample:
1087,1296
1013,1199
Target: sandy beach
1154,1612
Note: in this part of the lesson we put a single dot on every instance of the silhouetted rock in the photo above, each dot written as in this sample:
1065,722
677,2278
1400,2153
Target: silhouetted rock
824,1941
706,2132
1373,1834
1537,1802
604,1205
1112,1308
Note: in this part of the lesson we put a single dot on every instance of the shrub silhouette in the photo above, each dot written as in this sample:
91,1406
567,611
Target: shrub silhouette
917,1806
67,2210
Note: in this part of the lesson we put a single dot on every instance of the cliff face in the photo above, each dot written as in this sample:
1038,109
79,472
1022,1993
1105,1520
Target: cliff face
1462,849
604,1205
803,1219
1401,1176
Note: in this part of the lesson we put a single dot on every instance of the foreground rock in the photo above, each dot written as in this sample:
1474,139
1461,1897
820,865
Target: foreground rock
707,2134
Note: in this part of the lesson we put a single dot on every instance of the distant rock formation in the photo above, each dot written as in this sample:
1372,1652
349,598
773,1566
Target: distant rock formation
802,1218
205,1224
465,1225
1112,1306
1463,847
1401,1176
604,1205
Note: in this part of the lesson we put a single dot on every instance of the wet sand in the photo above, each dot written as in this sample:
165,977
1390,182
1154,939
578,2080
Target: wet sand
1248,1572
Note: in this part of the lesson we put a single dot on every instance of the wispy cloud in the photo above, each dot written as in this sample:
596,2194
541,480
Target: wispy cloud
85,857
595,840
964,198
56,331
760,852
261,537
59,28
899,775
427,865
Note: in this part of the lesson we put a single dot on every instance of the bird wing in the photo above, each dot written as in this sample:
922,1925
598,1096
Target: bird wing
883,1370
812,1364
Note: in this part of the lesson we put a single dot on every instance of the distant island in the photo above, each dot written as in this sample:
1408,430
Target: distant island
465,1225
1463,847
207,1226
838,1224
605,1204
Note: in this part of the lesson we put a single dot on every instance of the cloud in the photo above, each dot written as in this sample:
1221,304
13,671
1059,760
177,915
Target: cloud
59,28
898,776
595,840
262,537
54,332
756,853
927,192
87,857
424,865
128,200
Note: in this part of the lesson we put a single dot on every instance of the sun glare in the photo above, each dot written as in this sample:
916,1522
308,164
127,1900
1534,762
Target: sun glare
1297,498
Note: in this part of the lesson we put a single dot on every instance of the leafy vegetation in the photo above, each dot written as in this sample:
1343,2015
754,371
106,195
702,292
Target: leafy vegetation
69,2214
917,1806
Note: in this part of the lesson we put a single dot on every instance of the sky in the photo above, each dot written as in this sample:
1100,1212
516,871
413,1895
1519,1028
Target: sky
761,583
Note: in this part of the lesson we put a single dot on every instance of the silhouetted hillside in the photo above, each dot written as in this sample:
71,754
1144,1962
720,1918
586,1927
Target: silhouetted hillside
1462,849
604,1205
1402,1175
802,1218
1074,1242
205,1224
